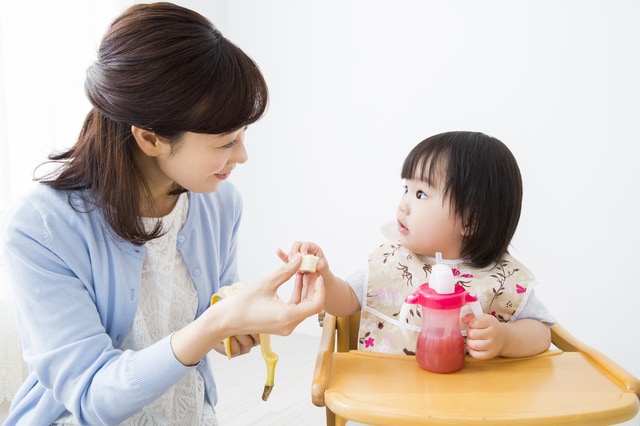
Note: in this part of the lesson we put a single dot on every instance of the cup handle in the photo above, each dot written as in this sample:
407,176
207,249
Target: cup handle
404,311
475,305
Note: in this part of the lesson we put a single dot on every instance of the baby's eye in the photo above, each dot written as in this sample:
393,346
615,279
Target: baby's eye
405,189
420,195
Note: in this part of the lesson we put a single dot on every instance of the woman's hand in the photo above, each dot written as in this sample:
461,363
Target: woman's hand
340,300
257,308
252,309
240,345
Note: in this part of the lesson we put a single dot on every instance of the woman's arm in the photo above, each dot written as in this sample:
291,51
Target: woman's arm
74,310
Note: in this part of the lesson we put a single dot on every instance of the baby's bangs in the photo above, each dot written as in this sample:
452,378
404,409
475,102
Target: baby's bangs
429,166
237,94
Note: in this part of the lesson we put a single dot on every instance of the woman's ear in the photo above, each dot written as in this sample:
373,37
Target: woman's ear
147,140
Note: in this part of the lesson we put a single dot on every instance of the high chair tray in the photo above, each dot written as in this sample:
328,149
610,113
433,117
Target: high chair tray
555,387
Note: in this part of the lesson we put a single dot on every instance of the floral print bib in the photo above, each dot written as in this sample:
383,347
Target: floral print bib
395,272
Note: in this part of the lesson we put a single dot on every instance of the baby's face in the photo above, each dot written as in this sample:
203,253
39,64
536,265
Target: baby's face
426,222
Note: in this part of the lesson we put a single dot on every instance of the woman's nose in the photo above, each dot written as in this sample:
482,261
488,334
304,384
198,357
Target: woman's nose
240,153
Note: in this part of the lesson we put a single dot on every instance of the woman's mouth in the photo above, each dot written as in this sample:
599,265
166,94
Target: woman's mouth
223,176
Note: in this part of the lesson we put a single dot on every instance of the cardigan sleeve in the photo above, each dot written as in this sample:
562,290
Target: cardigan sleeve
75,292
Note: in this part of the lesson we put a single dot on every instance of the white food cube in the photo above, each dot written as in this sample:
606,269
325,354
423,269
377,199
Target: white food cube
309,263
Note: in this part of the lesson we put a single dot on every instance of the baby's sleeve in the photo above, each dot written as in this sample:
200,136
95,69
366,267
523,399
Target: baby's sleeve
357,282
534,309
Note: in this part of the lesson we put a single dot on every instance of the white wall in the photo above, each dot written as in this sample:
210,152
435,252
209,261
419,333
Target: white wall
355,84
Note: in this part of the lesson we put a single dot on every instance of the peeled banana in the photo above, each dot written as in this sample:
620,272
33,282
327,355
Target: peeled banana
309,263
270,357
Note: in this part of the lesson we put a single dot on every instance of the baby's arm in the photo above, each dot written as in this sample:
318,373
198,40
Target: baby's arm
487,337
340,299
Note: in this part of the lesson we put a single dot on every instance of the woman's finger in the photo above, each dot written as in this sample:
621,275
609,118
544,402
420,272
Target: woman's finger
282,255
313,300
296,294
283,273
243,343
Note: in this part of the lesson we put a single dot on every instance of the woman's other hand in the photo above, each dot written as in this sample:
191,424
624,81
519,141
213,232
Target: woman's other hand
252,309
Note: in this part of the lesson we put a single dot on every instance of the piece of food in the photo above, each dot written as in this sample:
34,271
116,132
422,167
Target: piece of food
270,357
309,263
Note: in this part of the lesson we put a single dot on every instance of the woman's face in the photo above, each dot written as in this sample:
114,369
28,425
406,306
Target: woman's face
426,222
199,162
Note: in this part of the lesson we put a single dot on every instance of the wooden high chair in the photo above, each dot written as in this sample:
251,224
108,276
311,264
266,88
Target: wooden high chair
571,384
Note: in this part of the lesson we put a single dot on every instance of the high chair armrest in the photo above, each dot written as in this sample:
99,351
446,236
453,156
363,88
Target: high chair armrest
565,341
322,368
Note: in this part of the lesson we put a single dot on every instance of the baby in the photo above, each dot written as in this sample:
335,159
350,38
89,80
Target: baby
462,197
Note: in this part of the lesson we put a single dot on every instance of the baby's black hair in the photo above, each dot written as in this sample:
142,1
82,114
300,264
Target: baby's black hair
481,178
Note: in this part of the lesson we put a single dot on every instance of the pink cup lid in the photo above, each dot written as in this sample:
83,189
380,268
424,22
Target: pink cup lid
429,298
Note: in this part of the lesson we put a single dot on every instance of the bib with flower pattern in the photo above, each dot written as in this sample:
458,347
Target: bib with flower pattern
395,272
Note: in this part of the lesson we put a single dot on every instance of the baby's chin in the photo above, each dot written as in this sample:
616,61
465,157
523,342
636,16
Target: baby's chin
407,243
415,248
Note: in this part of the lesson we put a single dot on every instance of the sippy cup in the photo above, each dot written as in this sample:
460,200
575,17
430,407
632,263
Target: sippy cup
440,347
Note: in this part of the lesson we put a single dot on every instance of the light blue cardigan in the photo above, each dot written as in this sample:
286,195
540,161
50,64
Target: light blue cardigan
76,289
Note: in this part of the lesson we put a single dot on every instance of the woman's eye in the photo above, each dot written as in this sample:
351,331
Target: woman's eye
230,144
420,195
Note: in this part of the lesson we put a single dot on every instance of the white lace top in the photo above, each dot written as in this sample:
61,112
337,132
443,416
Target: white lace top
168,302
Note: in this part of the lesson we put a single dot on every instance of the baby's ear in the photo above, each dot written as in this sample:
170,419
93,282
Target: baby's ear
468,227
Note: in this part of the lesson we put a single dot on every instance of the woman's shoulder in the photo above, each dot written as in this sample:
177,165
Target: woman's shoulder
46,201
44,210
36,201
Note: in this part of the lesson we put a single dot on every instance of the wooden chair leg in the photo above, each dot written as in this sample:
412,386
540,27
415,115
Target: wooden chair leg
340,421
331,418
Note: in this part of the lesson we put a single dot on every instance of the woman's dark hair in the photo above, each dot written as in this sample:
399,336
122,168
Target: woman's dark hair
481,179
164,68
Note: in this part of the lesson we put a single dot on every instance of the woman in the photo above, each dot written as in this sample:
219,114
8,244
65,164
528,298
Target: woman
115,255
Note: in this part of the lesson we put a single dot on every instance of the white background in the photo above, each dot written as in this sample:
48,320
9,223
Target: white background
355,85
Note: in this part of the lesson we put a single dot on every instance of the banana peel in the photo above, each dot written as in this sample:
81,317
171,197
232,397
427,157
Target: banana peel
270,357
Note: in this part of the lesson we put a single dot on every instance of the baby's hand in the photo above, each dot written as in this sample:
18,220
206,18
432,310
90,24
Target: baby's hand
306,248
485,336
305,276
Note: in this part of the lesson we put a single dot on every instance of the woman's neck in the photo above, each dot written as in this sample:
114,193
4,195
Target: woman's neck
161,206
157,202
